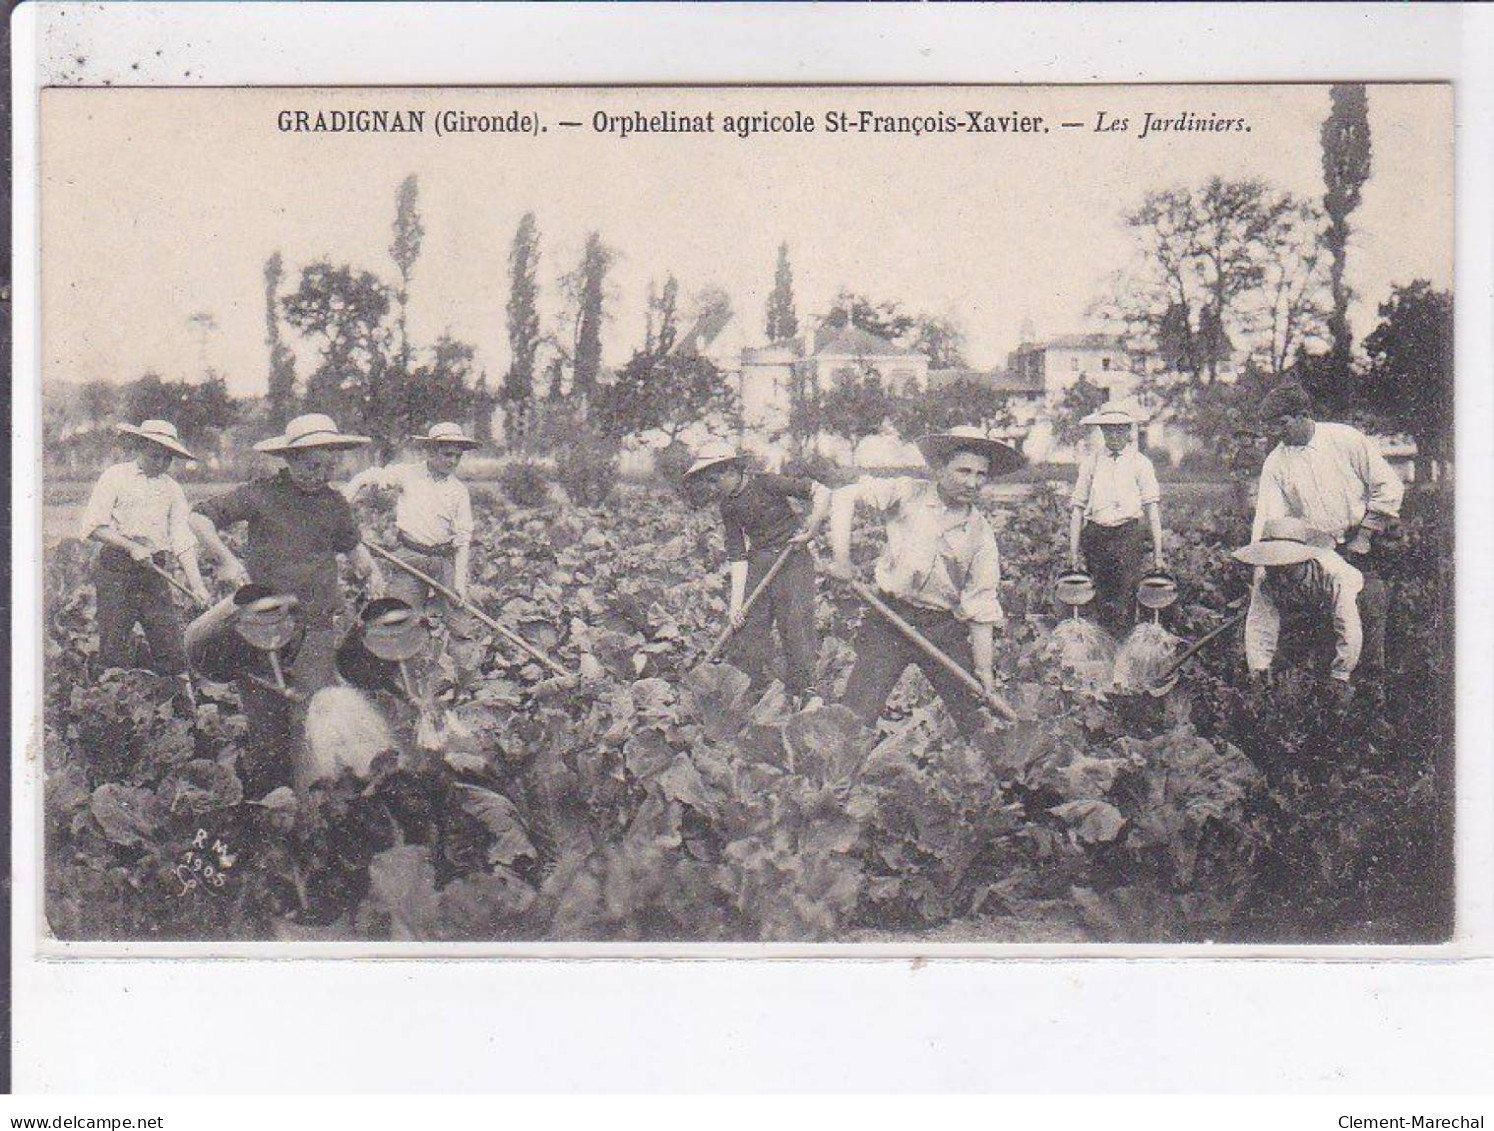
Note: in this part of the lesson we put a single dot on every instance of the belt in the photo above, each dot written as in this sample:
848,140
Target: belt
445,550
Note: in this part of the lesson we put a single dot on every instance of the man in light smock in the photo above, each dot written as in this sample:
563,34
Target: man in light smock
139,514
432,515
1334,478
939,570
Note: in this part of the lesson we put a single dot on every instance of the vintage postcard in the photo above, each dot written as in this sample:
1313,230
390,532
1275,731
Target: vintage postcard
915,516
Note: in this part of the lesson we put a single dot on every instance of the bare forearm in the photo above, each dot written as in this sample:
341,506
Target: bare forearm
461,569
738,585
108,536
1076,526
983,648
1154,518
207,534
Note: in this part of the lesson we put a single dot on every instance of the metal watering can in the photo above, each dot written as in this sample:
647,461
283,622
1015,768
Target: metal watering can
1075,589
1157,590
373,655
249,634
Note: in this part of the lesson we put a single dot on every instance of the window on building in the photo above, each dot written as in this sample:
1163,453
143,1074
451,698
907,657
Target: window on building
1074,364
1104,363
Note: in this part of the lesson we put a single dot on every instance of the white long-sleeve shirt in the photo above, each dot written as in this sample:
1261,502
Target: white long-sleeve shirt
434,512
150,509
1115,487
937,556
1331,482
1330,590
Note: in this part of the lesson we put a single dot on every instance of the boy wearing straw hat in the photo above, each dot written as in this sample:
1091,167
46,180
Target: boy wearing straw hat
760,521
1116,488
140,516
433,514
1307,590
297,525
939,571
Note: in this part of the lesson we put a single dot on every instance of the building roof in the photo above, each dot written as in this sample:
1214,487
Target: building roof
853,341
997,380
703,331
1084,342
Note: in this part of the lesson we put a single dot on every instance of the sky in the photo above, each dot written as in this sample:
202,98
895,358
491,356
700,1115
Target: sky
160,204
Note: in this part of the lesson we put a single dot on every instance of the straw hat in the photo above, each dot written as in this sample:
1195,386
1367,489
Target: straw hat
161,432
713,455
938,446
447,434
313,430
1114,412
1285,541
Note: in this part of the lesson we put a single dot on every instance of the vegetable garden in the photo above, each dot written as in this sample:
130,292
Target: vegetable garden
656,802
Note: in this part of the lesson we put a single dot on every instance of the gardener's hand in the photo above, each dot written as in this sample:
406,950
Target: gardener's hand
374,582
805,534
737,619
140,554
234,573
1075,562
1160,559
840,569
987,684
200,591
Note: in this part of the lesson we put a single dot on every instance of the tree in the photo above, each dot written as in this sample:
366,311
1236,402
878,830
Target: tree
958,402
884,319
1345,140
409,233
199,410
857,406
666,393
1224,270
280,393
940,340
1410,379
523,325
589,287
98,400
355,382
1078,401
442,390
666,308
783,321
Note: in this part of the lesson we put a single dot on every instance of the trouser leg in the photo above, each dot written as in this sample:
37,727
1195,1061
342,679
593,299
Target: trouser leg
115,615
882,654
275,723
952,637
164,631
1114,556
1374,608
752,646
793,611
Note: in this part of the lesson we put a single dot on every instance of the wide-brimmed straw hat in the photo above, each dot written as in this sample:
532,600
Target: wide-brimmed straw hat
160,432
713,455
938,446
1285,541
310,431
1114,412
448,435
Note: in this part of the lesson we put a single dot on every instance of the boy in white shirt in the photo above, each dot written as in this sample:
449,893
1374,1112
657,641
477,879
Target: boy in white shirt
140,516
1117,486
433,515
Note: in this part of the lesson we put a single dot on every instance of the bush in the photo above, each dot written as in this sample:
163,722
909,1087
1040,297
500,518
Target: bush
525,483
588,469
820,468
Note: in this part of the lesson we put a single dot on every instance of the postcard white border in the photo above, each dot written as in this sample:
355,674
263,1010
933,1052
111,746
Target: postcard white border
224,44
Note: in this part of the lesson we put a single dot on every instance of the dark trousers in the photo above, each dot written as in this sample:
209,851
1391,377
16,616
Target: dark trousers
129,594
1374,611
1115,556
883,653
1309,638
274,721
788,605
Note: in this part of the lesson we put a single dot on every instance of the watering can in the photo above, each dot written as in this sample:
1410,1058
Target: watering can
1157,590
386,635
250,633
1074,589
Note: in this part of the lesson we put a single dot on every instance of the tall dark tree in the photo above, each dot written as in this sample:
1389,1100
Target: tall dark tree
667,309
955,403
1410,379
198,410
667,392
589,285
1346,167
1078,401
884,319
523,314
783,321
409,233
940,340
442,390
856,407
280,393
98,400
